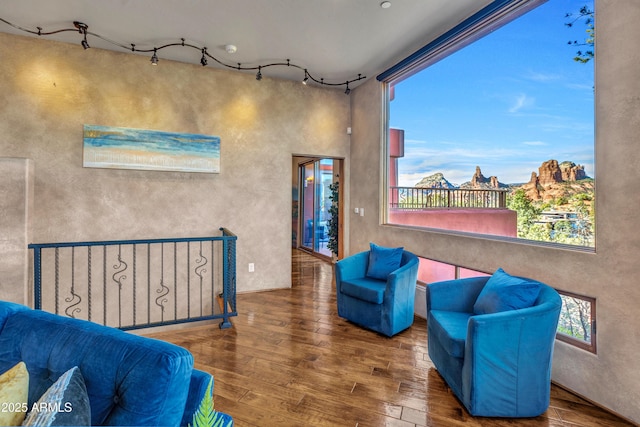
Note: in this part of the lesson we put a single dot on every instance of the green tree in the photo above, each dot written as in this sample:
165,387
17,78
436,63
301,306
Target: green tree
585,15
584,226
334,218
527,213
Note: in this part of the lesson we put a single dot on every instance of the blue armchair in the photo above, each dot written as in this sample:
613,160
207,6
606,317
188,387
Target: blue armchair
499,363
383,305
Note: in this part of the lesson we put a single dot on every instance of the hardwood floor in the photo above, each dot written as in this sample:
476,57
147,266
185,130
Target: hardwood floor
289,360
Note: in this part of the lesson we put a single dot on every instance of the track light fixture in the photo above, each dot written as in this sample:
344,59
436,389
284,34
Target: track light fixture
154,57
203,60
83,29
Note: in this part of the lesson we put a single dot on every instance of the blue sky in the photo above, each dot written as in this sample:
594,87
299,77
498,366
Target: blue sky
506,103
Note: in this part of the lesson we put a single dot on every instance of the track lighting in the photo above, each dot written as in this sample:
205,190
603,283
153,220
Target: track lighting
203,60
83,29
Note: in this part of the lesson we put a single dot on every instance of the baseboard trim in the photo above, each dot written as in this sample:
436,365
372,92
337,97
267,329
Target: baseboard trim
604,408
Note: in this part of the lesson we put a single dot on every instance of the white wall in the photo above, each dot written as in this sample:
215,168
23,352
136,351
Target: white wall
612,377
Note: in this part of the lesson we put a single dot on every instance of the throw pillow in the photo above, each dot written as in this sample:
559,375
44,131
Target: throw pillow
383,261
65,403
14,393
206,416
503,292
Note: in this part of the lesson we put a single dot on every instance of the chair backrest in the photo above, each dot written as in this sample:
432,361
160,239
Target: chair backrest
549,296
408,257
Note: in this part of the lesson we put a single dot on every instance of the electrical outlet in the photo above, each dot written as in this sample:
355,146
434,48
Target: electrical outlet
252,267
356,210
361,211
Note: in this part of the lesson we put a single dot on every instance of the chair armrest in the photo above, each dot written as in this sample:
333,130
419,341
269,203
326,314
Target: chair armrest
508,354
352,267
455,295
197,389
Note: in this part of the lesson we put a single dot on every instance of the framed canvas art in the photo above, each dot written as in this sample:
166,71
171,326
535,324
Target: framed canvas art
123,148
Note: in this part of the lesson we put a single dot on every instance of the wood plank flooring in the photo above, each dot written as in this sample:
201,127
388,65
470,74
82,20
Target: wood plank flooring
289,360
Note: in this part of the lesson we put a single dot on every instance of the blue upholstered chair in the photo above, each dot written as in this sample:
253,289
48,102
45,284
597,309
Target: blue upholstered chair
376,293
495,356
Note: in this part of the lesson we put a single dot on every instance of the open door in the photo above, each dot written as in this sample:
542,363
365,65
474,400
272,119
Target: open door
315,176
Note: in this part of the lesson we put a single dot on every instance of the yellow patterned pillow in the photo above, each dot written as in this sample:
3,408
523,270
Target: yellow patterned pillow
14,392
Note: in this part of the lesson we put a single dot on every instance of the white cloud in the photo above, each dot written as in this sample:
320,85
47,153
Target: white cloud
534,143
522,101
541,77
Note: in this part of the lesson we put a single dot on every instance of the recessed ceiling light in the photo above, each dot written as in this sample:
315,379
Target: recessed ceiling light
230,48
385,4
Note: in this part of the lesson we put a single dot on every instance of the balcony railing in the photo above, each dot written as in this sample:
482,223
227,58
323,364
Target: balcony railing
131,284
458,198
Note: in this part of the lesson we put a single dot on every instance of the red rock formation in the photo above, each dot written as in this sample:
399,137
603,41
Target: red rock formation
545,185
549,173
572,172
480,181
478,178
531,187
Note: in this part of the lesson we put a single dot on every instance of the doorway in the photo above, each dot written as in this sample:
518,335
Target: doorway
312,204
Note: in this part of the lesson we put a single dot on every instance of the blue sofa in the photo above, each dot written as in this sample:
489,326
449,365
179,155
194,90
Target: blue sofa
498,364
385,306
130,380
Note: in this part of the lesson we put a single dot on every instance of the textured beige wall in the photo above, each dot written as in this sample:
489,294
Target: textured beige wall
612,377
50,90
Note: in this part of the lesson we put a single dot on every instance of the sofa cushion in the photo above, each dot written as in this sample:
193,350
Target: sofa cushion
130,380
450,329
383,261
504,292
65,403
366,289
14,391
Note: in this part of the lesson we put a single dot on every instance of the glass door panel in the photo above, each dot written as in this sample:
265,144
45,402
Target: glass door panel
324,178
307,196
316,177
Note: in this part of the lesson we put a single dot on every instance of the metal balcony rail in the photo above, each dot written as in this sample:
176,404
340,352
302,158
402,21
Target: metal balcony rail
133,284
416,198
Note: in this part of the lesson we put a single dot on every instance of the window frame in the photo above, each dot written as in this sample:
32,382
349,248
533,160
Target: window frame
584,345
488,19
493,16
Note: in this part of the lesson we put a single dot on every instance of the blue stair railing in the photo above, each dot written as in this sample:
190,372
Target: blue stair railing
133,284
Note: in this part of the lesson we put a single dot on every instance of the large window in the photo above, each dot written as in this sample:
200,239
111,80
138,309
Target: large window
491,127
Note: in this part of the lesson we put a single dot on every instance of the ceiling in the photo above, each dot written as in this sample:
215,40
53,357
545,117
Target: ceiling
334,39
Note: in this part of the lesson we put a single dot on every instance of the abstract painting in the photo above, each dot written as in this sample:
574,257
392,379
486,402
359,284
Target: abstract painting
124,148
